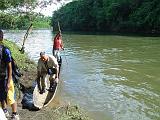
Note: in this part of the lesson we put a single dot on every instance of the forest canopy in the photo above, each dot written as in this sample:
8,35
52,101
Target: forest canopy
124,16
19,14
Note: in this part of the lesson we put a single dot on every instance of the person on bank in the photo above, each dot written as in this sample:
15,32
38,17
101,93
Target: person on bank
47,64
57,45
7,92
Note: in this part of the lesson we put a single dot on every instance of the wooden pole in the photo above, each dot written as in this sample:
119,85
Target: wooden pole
25,37
62,41
59,27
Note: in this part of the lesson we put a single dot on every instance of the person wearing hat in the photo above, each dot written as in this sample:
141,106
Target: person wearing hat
47,65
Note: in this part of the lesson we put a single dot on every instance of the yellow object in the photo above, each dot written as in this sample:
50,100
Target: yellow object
11,93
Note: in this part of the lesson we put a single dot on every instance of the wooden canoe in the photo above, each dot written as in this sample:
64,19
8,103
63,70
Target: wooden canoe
42,100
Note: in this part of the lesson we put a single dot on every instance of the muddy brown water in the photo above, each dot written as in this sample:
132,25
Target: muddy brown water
110,77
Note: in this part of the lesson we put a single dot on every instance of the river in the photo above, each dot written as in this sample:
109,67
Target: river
111,77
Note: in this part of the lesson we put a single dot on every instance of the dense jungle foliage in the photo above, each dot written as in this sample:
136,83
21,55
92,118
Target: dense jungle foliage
122,16
5,4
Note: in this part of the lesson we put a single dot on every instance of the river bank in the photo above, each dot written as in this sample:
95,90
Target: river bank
28,68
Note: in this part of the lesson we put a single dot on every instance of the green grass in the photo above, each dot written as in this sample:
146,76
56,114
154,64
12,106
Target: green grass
22,60
27,66
43,24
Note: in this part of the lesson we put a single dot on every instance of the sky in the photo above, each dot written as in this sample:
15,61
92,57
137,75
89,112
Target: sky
48,11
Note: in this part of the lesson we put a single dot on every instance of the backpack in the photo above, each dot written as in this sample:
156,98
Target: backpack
3,66
16,74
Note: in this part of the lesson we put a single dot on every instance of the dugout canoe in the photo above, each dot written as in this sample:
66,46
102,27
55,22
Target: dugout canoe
42,100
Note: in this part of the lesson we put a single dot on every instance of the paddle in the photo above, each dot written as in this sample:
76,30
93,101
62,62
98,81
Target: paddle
59,27
63,44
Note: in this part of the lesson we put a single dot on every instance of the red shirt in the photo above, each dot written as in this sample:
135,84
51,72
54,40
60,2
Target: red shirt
57,42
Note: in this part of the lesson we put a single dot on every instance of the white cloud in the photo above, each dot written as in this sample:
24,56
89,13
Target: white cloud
48,11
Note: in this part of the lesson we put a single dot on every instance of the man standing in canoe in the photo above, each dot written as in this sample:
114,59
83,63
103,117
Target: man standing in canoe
57,45
47,64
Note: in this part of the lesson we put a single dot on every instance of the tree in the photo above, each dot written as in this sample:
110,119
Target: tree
138,16
5,4
20,13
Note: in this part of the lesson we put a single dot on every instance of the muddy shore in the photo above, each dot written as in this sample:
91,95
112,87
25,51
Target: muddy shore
28,68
